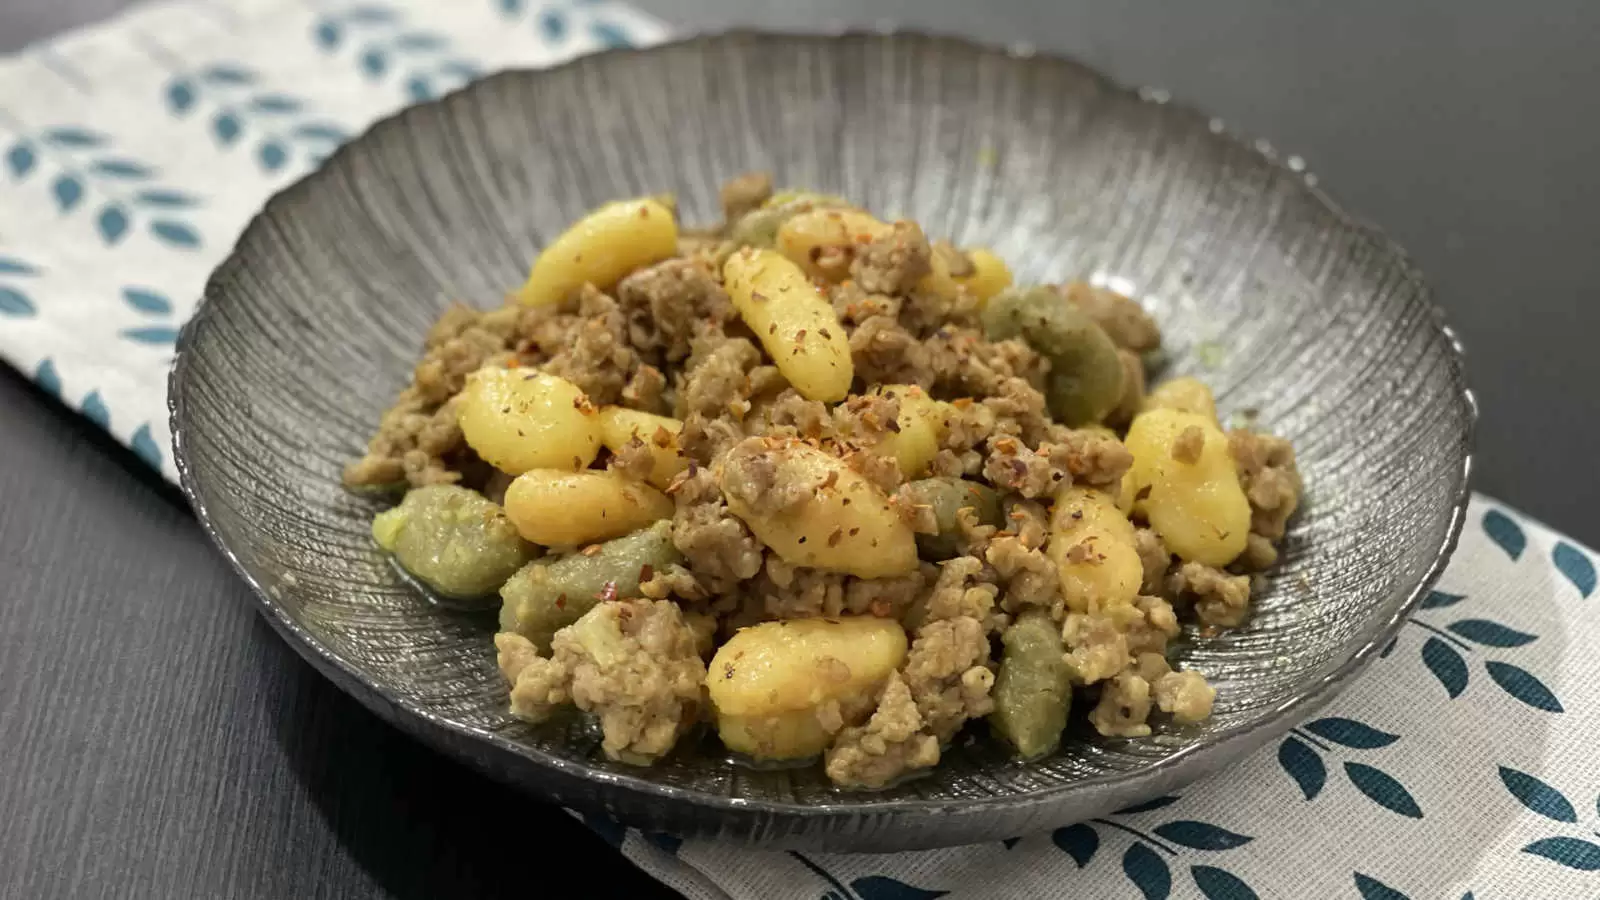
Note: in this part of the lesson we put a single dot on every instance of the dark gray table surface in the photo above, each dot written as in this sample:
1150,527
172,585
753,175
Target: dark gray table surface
157,740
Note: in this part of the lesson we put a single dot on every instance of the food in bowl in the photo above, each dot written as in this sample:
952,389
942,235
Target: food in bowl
829,485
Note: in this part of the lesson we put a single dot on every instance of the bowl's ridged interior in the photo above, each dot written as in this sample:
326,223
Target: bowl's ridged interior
1262,289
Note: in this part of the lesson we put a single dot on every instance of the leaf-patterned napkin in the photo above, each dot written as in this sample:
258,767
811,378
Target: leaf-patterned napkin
1465,764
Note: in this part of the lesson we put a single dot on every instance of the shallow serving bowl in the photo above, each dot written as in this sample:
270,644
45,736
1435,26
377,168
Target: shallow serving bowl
1295,313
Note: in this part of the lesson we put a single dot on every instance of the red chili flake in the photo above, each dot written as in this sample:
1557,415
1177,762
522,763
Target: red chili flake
1143,493
561,602
800,335
831,479
863,238
833,539
646,572
802,539
513,362
825,333
1077,514
644,212
590,550
758,297
854,532
608,593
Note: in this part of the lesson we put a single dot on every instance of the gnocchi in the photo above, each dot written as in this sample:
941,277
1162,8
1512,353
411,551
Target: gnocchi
659,434
601,248
555,508
918,431
793,321
520,419
822,241
1184,394
828,517
1095,551
1184,480
770,683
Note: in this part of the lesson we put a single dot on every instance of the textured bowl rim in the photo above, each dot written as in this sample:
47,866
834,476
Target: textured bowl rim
1181,766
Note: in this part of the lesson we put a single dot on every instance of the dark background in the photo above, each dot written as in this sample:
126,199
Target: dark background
159,741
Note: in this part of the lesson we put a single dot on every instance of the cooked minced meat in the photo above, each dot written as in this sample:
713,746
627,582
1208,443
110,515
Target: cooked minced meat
666,339
894,741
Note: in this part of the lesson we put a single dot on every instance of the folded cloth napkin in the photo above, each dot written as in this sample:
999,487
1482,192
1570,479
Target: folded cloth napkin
1466,763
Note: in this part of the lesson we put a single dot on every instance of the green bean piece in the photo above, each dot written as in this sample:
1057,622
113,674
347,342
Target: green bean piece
948,496
452,540
1033,690
549,594
1085,380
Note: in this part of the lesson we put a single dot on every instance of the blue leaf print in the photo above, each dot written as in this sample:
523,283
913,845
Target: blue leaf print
1373,889
94,409
145,446
156,334
609,35
1576,565
418,88
1520,684
1490,634
1217,884
1077,841
112,223
20,160
1570,852
74,137
1350,733
879,887
419,41
9,266
147,301
275,103
224,73
374,63
1538,796
225,127
369,15
1439,600
1382,789
511,8
1146,806
668,843
164,199
120,168
320,132
1147,871
1446,665
1504,531
175,233
48,379
1201,836
271,155
15,303
67,191
552,24
327,35
1304,766
180,96
610,830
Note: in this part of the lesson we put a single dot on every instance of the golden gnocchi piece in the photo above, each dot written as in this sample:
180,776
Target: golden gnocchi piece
922,424
795,322
988,276
620,425
821,241
781,690
601,248
571,509
521,419
1095,551
813,510
1184,479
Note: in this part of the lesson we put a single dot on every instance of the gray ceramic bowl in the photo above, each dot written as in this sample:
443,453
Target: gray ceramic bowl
1282,302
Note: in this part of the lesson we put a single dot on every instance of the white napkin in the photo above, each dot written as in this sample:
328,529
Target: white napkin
1466,763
